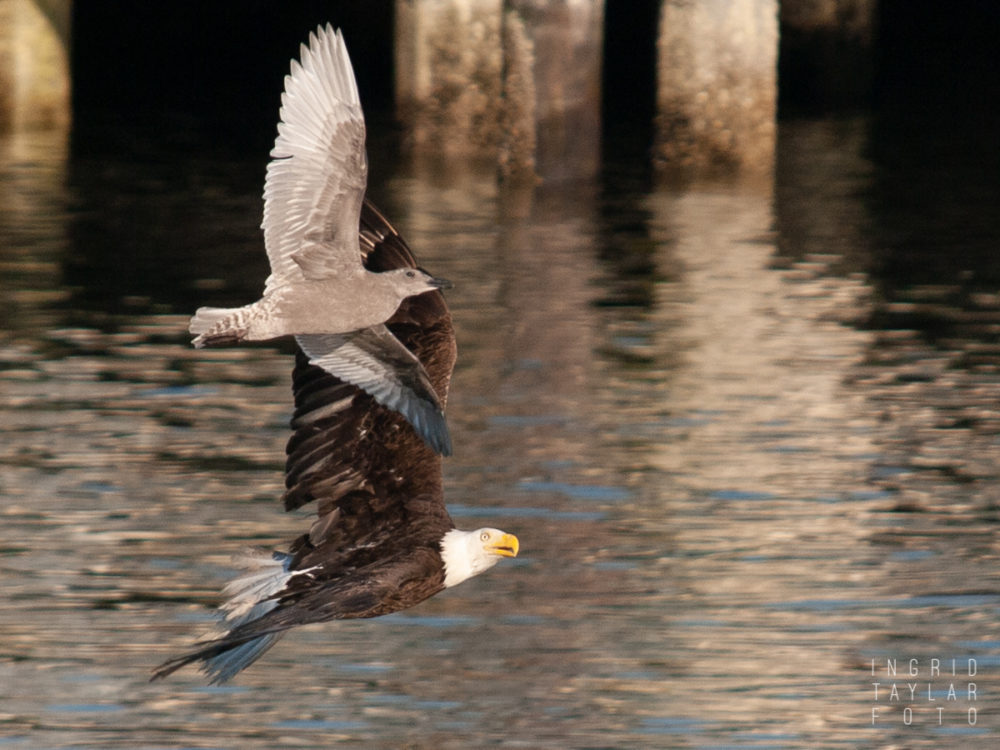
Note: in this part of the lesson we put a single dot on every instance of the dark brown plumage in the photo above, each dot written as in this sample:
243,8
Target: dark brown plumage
376,544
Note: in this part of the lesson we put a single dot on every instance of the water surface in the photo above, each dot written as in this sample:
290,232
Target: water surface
746,432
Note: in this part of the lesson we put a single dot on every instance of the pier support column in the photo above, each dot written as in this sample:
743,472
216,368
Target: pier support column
555,49
34,65
826,53
717,84
513,82
448,74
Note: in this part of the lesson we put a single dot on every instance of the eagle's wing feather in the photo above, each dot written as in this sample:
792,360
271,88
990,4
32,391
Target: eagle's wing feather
376,362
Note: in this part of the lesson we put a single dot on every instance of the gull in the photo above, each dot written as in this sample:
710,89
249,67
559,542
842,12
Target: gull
319,289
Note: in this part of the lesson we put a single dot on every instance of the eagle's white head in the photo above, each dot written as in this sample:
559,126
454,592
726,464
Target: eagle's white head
469,553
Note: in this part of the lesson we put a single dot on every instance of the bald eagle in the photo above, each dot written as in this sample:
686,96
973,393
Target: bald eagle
382,540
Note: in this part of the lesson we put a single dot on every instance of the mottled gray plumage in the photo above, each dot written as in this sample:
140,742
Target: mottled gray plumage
319,288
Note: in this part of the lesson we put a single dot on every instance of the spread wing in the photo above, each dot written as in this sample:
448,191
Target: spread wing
375,361
318,171
344,441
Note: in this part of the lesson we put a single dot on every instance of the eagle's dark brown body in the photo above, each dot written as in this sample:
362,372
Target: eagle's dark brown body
374,547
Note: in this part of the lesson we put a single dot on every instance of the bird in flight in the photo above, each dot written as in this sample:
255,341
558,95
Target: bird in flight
319,290
382,540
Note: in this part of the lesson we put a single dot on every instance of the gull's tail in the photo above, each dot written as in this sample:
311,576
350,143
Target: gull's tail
214,326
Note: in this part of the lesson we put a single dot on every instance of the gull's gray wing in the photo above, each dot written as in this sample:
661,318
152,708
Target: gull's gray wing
318,171
375,361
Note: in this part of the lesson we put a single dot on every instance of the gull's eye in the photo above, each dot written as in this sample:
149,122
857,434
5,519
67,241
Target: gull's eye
484,537
410,274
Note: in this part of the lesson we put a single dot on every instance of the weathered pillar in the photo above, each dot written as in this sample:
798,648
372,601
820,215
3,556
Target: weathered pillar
717,84
556,46
513,82
34,64
448,74
826,52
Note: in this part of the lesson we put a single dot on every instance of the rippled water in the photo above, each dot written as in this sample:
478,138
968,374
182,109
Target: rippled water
747,435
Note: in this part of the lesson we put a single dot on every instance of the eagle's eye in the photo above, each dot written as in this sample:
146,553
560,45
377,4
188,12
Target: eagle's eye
484,537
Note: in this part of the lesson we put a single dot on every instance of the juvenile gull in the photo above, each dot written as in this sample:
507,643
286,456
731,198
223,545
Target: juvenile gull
382,539
319,290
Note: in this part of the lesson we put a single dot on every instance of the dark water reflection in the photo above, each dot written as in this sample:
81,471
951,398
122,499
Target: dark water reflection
744,456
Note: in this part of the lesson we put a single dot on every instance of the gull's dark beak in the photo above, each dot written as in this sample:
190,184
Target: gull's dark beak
440,283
